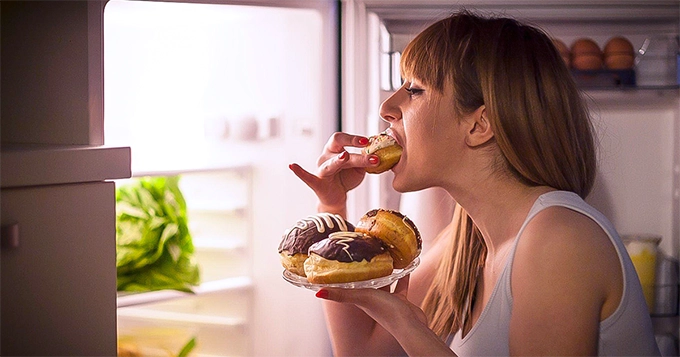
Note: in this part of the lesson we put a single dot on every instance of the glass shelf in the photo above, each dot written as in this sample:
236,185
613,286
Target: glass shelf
171,316
127,299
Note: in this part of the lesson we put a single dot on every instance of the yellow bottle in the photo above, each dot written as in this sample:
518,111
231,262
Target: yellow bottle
643,249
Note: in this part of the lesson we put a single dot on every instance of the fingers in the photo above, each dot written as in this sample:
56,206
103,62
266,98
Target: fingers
359,297
339,140
311,180
378,304
333,165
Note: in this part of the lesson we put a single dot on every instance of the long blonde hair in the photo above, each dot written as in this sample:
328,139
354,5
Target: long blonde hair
541,126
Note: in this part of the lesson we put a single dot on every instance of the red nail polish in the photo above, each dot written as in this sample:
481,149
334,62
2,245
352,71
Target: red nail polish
322,294
363,141
343,155
373,160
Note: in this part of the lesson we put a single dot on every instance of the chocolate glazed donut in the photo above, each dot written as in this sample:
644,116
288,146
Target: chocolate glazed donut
397,232
347,257
293,249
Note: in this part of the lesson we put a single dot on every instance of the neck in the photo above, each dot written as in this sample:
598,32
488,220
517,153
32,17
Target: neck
499,215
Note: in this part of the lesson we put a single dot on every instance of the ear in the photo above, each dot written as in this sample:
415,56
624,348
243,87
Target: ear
479,128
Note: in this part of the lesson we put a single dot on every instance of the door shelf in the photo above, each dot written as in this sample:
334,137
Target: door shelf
133,299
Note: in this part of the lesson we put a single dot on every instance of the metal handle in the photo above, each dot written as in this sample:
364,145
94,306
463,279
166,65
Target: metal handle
9,238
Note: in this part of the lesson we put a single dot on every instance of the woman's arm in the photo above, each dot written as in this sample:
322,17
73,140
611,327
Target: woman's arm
354,330
566,278
400,326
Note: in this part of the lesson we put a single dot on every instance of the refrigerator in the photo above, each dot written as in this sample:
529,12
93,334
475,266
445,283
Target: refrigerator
225,94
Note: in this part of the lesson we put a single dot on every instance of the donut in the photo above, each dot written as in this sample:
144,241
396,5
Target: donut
397,231
294,246
386,148
346,257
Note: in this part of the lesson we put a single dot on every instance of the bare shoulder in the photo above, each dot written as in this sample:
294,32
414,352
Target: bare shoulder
563,249
560,227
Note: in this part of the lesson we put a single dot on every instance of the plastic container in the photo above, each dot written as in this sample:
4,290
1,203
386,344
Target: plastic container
643,250
656,62
666,290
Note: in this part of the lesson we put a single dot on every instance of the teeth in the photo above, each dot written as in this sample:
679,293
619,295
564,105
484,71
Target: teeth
390,133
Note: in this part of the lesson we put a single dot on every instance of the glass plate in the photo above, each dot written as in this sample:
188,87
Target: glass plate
376,283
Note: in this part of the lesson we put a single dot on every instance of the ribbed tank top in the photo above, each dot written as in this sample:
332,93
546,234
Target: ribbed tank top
627,332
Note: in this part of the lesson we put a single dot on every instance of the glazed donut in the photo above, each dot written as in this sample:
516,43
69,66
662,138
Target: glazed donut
397,231
346,257
297,240
386,148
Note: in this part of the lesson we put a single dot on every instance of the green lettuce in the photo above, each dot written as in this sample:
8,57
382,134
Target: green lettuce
154,249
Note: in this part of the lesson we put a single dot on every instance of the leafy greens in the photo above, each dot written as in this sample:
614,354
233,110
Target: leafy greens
154,249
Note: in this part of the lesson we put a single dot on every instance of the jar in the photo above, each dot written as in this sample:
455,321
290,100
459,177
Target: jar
643,250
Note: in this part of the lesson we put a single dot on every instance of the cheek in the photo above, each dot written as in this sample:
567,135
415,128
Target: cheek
422,148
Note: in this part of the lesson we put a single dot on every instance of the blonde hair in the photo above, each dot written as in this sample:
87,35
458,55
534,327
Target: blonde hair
541,126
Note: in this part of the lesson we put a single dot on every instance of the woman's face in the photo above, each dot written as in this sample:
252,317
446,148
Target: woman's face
424,123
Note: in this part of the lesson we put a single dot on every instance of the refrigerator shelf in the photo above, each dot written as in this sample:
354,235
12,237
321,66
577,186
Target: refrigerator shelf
133,299
171,316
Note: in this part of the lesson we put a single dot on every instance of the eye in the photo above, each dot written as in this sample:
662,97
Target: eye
412,91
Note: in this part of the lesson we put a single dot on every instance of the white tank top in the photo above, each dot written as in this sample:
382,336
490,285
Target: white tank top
627,332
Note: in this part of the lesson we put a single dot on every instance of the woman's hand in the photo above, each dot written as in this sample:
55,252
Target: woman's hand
338,171
405,321
383,306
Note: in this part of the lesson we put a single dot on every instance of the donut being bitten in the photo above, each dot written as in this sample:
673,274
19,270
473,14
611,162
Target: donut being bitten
346,257
397,231
293,249
386,148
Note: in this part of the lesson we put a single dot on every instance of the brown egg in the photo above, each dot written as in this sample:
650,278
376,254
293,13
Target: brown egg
563,50
619,53
586,55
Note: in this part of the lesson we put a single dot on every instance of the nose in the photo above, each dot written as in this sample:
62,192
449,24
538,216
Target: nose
389,109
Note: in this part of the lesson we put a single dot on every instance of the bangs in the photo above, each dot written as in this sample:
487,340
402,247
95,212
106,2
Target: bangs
424,56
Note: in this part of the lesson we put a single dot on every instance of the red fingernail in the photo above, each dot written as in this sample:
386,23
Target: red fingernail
363,141
343,155
373,160
322,294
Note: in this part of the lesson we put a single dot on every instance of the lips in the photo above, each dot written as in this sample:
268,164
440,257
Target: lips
391,133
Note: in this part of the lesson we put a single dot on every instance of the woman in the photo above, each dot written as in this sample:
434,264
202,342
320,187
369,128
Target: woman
489,112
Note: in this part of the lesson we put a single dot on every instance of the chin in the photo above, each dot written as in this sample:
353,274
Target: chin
406,183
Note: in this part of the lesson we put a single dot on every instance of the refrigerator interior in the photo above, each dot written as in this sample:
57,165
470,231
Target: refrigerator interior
225,96
637,127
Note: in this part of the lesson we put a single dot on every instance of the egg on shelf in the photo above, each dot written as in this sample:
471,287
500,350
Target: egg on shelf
619,53
563,50
586,55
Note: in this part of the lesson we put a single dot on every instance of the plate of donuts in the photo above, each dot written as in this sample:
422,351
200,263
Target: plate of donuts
301,281
326,251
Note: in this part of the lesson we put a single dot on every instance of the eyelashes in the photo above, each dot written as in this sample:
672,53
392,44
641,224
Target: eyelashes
413,91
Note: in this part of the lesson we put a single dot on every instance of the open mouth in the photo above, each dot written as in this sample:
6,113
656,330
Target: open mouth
389,132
